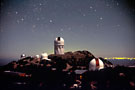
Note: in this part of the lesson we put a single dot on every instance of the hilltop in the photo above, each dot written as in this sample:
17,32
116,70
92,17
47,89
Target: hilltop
77,59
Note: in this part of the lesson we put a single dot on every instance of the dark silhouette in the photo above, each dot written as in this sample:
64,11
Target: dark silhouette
59,74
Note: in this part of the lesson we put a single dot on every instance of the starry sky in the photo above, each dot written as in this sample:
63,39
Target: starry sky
106,28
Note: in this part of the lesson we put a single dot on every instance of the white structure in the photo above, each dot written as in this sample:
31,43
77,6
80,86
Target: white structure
44,56
37,56
59,45
23,56
96,64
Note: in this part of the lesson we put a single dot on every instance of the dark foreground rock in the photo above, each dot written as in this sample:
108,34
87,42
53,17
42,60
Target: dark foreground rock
60,74
118,78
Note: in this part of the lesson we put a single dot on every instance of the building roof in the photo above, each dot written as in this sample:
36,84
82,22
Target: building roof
96,64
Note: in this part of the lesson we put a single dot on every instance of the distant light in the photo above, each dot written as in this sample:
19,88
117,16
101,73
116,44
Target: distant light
120,58
53,69
7,71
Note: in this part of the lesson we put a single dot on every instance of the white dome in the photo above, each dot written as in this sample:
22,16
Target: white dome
23,56
96,64
59,41
37,56
44,56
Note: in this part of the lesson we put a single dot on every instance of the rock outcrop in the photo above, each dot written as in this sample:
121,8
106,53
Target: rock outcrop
76,60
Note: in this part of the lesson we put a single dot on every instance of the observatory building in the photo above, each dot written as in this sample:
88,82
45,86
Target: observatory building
22,56
59,45
44,56
37,56
96,64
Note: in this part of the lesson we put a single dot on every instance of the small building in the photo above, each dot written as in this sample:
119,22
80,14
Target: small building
96,64
44,56
37,57
59,45
22,56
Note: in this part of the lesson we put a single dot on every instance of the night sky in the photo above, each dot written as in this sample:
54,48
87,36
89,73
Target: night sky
106,28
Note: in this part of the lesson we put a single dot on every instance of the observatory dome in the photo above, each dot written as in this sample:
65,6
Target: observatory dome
23,56
96,64
59,41
44,56
37,56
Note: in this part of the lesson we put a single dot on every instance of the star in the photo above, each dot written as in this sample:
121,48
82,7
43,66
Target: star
50,21
101,18
118,25
16,12
61,29
18,21
84,15
117,4
38,19
33,26
107,5
40,4
91,7
22,19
